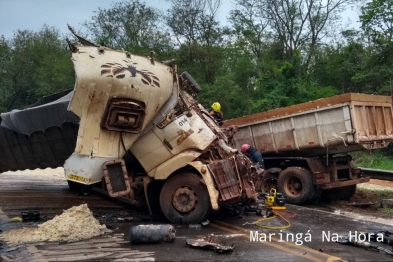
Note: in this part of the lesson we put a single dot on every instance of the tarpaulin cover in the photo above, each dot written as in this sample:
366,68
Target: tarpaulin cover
39,116
41,135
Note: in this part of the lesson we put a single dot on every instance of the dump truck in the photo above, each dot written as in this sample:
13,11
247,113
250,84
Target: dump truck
306,146
131,129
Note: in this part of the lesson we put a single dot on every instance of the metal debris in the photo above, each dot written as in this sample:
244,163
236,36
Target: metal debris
348,240
258,207
360,204
16,219
205,223
196,226
152,234
210,242
387,203
30,215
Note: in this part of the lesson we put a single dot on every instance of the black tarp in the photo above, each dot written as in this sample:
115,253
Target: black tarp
40,116
41,135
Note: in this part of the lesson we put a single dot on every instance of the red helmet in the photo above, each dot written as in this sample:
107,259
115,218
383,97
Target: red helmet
245,147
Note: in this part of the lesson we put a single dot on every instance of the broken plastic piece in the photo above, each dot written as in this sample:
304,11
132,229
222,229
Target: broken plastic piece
363,204
30,215
210,242
205,223
196,226
16,219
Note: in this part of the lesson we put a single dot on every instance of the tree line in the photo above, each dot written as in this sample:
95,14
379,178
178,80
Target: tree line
268,54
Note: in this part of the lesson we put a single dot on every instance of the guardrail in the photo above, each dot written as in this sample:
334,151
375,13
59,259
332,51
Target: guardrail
378,173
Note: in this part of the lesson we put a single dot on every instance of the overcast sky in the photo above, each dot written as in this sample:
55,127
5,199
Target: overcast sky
33,14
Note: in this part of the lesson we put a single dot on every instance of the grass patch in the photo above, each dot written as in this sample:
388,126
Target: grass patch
376,193
372,159
367,196
388,210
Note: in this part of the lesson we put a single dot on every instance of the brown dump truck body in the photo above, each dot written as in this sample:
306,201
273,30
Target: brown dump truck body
339,124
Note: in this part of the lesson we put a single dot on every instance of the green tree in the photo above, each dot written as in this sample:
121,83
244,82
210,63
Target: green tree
377,23
338,66
228,93
239,62
133,26
199,37
249,26
33,64
299,25
377,19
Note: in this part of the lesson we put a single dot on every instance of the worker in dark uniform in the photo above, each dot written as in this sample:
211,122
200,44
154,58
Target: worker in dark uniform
253,154
215,112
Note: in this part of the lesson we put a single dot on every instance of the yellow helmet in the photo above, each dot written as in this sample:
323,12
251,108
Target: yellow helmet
216,106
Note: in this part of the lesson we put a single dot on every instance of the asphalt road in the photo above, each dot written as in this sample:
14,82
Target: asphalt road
51,196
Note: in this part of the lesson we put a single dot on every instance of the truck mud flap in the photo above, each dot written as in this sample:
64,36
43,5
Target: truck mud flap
226,179
42,149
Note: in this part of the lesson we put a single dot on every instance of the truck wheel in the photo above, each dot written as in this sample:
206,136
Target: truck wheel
269,181
184,199
73,186
296,185
342,193
347,192
77,187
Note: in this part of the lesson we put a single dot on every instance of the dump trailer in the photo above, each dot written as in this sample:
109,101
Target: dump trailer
130,129
306,146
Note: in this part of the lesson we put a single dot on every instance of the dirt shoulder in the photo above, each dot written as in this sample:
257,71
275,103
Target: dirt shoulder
366,201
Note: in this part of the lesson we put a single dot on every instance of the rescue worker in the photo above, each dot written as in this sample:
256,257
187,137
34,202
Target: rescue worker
253,154
215,112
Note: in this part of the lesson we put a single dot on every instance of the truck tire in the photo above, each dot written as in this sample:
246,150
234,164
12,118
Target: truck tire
73,186
295,183
79,188
347,192
184,199
342,193
269,180
194,85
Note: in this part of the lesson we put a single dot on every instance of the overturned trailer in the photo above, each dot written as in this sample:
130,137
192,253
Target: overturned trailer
130,129
305,146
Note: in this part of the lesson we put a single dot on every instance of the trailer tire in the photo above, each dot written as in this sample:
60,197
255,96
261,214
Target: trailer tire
184,199
269,180
349,192
295,183
342,193
73,186
78,187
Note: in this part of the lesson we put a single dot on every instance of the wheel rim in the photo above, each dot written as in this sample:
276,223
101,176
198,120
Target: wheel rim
184,199
267,184
293,186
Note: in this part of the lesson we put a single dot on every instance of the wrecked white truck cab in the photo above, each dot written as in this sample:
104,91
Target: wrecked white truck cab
142,137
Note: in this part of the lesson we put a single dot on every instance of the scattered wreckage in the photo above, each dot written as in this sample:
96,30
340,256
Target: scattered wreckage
152,234
210,242
130,129
360,240
144,234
